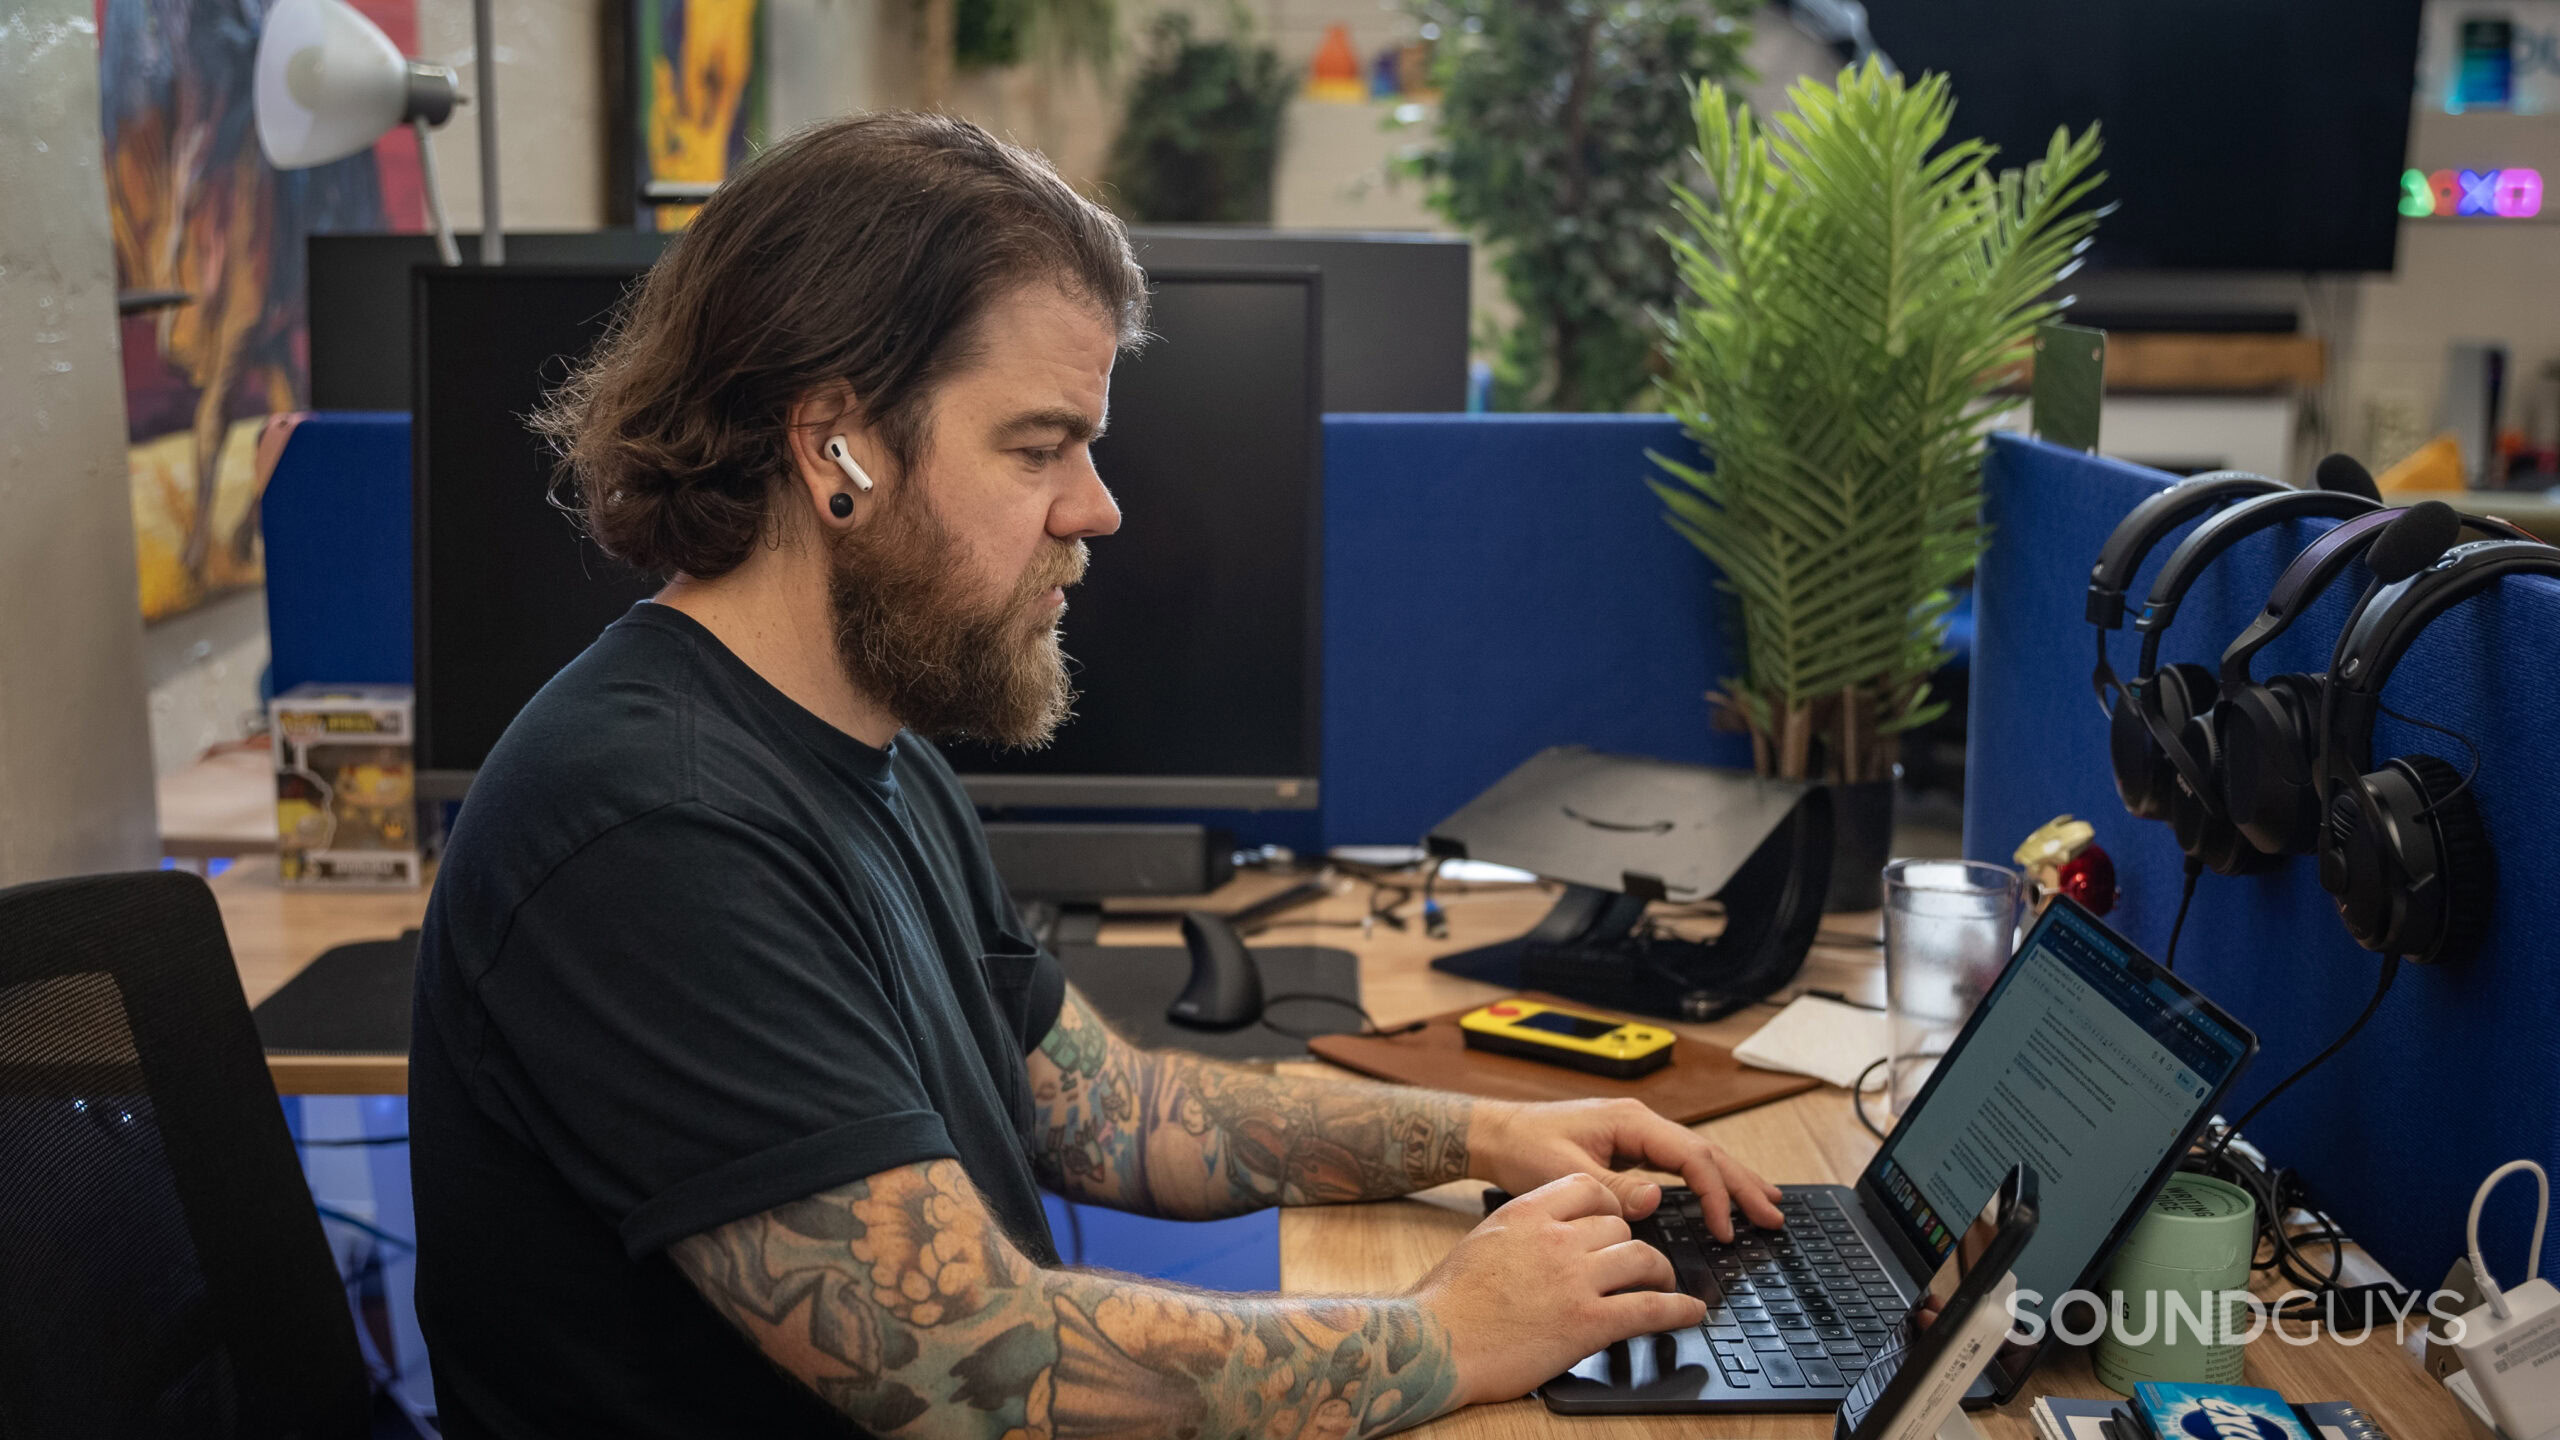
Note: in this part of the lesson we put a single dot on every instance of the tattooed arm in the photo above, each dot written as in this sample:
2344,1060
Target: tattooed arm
1171,1134
899,1300
1165,1133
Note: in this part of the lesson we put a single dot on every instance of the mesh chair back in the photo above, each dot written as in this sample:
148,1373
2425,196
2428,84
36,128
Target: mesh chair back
162,1270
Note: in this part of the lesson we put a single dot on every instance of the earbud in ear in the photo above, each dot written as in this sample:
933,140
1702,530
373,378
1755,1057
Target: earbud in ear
842,454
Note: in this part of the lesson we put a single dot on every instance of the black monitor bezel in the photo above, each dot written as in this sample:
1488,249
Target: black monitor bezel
2009,1371
1218,792
445,782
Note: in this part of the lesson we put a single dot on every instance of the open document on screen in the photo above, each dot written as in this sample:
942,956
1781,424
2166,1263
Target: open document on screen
2077,1067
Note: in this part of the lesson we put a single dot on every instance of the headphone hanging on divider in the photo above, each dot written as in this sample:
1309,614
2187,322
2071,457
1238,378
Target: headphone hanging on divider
2142,786
2402,848
2163,736
2268,735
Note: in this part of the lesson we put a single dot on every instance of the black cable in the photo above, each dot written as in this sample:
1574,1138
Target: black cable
1075,1232
2186,897
1858,1087
2458,738
1375,1029
358,1142
2390,972
331,1212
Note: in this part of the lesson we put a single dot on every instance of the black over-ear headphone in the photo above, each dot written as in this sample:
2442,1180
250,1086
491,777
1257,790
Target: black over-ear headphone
2165,728
2268,735
2402,848
2143,781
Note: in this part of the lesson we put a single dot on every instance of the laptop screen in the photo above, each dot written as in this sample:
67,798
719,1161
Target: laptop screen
2085,1061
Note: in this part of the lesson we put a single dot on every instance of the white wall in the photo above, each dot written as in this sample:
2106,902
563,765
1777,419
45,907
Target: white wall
552,125
75,756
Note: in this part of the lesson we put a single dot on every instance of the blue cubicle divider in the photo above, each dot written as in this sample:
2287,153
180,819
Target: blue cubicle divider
1494,584
336,521
2456,1073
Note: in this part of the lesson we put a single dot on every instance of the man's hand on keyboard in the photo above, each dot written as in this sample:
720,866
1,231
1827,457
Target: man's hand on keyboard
1547,1279
1520,1147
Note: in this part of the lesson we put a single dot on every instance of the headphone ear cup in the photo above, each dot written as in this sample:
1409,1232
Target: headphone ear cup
2465,876
2203,828
2130,751
2266,734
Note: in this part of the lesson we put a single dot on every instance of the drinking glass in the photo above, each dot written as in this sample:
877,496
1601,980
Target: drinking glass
1948,927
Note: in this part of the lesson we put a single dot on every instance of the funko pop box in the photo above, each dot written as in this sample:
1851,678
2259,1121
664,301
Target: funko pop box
346,786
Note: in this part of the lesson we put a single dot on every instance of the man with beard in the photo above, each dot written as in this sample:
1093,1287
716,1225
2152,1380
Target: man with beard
734,1078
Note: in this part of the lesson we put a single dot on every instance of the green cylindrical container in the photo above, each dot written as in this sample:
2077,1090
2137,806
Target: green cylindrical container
2189,1251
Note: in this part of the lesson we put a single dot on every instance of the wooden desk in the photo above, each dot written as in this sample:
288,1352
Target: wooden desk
1388,1246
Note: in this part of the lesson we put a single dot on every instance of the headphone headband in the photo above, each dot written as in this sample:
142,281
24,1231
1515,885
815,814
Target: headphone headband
2146,524
2207,541
2311,574
2390,621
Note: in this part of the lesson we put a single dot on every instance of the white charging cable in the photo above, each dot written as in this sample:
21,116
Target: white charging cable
2533,1257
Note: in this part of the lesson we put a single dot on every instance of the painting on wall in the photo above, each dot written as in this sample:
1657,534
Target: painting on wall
195,209
697,86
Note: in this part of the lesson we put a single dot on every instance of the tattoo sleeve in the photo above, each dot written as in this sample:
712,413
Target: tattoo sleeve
1165,1133
899,1300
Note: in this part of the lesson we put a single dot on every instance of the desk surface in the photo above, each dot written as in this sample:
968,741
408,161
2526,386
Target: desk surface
1388,1246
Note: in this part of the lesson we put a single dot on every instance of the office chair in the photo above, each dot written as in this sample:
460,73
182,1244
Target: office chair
162,1270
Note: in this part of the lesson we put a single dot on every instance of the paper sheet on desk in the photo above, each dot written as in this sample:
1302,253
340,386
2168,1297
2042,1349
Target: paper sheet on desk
1821,1038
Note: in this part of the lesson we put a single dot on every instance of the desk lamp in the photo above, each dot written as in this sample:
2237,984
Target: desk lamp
329,83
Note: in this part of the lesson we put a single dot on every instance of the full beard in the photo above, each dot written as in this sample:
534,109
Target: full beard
948,663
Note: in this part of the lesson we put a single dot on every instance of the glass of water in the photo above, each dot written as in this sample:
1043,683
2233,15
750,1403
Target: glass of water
1948,926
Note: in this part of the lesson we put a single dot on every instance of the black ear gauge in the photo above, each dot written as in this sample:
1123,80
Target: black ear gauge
840,505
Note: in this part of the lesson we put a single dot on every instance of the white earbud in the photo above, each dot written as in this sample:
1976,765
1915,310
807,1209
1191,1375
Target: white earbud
842,454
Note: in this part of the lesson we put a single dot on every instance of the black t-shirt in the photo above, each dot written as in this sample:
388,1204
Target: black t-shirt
693,953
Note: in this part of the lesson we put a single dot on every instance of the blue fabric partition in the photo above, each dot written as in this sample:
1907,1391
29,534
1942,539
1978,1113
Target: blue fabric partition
1495,584
2457,1073
336,521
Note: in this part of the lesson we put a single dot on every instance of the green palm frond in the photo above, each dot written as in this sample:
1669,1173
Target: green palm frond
1854,283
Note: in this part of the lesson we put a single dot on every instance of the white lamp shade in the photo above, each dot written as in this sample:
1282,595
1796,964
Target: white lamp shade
329,83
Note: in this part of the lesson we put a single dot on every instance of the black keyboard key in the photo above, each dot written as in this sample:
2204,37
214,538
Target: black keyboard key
1833,1332
1768,1344
1843,1347
1760,1329
1781,1371
1821,1372
1726,1332
1784,1307
1790,1322
1807,1350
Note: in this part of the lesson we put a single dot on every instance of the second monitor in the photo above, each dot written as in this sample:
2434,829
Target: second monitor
1196,636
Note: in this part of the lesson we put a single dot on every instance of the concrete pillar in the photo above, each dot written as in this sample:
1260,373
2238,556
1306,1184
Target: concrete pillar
75,739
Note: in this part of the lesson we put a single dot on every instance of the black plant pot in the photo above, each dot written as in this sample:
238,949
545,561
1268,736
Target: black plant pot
1861,843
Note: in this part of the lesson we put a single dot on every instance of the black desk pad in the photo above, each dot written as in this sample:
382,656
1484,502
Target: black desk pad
1130,985
354,1000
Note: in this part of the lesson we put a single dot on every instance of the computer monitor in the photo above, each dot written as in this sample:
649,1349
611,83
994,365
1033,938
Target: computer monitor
1196,634
1197,631
1395,305
359,301
506,588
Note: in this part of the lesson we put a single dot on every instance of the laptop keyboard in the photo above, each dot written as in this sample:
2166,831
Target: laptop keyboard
1809,1306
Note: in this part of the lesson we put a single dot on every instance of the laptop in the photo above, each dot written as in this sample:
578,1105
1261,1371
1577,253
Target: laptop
2086,1062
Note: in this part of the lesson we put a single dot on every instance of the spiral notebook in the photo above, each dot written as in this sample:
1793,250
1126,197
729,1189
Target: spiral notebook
2059,1417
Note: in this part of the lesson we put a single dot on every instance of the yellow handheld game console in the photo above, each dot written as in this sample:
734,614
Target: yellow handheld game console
1577,1039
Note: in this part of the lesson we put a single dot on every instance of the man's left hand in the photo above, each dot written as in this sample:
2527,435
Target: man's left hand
1521,1147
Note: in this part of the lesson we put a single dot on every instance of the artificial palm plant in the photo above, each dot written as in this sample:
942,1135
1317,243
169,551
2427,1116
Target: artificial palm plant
1854,288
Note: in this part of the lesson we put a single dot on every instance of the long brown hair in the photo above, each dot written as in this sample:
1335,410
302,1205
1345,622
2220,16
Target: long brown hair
862,251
